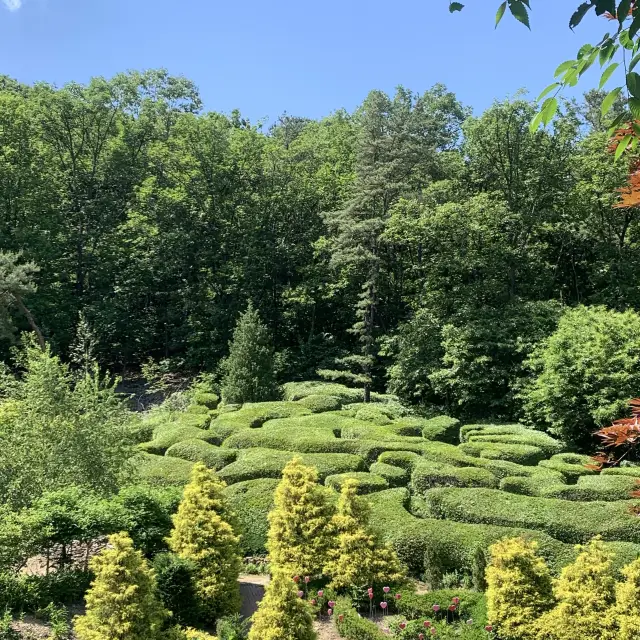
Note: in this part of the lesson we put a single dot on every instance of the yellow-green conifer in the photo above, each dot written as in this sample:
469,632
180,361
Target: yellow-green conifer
627,609
203,533
282,615
585,593
357,557
519,589
299,533
122,602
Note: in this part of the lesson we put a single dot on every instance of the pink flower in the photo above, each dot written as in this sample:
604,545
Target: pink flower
296,579
386,589
433,631
403,625
436,607
398,596
452,607
427,624
421,636
340,618
370,590
320,593
329,611
314,601
456,600
370,595
488,628
307,579
331,604
383,605
300,594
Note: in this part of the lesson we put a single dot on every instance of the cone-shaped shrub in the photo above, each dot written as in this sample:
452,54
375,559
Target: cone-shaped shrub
357,557
203,533
282,615
628,603
299,523
585,592
519,589
122,602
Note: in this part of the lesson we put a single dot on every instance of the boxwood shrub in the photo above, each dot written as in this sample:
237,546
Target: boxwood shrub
404,459
367,482
395,476
572,522
317,403
427,475
198,409
442,428
374,414
535,484
634,472
593,488
209,400
201,451
473,605
298,390
352,626
512,434
571,465
168,437
162,471
523,454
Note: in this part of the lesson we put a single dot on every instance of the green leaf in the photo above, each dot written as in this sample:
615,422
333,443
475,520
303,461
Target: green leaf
634,62
635,26
548,90
565,66
501,9
633,84
455,6
607,49
625,41
602,6
549,109
608,72
519,12
634,107
535,123
623,10
622,146
607,103
579,13
617,122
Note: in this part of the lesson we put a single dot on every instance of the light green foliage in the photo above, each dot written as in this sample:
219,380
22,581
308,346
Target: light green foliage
519,589
298,390
365,482
203,533
627,607
200,451
427,474
317,403
585,372
173,434
249,369
299,535
511,434
122,601
162,471
396,476
571,465
282,615
519,453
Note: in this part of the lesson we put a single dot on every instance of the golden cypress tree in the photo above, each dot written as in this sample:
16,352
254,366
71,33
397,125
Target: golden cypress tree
282,615
122,602
585,593
299,533
358,558
204,533
627,610
519,589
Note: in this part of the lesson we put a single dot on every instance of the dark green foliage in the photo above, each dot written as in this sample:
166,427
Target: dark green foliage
571,465
232,628
428,474
442,428
353,626
201,451
175,580
209,400
519,453
396,476
367,482
249,369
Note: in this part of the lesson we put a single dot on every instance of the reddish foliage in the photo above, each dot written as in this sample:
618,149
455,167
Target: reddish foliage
629,194
621,439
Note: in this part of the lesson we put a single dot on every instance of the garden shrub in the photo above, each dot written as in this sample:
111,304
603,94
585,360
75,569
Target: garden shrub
318,403
427,474
511,434
366,482
371,413
361,430
523,454
166,438
297,390
571,465
251,502
572,522
593,488
535,484
472,605
197,409
404,459
627,608
395,476
200,451
442,428
633,471
408,426
162,471
206,399
269,463
175,577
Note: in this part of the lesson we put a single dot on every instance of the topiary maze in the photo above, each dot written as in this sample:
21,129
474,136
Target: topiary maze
441,492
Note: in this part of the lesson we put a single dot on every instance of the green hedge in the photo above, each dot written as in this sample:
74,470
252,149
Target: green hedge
297,390
404,459
367,482
201,451
574,522
251,501
209,400
427,475
442,428
523,454
374,414
352,626
622,471
395,476
162,470
535,484
320,403
269,463
198,409
168,437
511,434
594,488
571,465
418,606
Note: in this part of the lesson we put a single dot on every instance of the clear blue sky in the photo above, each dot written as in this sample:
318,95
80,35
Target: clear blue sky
306,58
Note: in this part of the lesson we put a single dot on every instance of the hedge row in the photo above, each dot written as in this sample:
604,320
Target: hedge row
318,403
523,454
162,471
572,522
298,390
167,437
622,471
395,476
594,488
571,465
442,428
511,434
269,463
201,451
367,482
428,474
404,459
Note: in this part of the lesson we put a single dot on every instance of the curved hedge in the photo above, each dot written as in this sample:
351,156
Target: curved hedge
523,454
162,471
404,459
209,400
574,522
201,451
571,465
442,428
427,475
510,434
367,482
317,403
395,476
297,390
374,414
168,437
594,488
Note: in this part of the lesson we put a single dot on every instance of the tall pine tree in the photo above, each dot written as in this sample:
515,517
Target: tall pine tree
249,369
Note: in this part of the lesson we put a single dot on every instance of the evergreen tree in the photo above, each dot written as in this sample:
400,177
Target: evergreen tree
249,369
299,524
585,592
628,603
519,589
358,558
282,615
82,349
122,603
204,534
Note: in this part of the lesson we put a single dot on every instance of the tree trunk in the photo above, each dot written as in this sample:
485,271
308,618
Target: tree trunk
32,322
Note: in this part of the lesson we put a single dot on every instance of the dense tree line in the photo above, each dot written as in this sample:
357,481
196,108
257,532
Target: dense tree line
408,244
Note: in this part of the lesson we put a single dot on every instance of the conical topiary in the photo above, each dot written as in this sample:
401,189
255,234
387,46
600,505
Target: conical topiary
299,524
203,533
122,602
282,615
357,557
519,589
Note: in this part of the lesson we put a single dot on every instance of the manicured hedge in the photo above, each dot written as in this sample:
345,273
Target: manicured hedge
320,403
404,459
168,437
395,476
367,482
593,488
201,451
361,430
198,409
574,522
442,428
535,484
512,434
571,465
427,475
251,501
523,454
209,400
269,463
622,471
162,470
473,605
298,390
352,626
374,414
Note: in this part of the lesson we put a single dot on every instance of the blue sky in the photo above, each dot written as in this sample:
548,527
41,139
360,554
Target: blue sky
304,58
